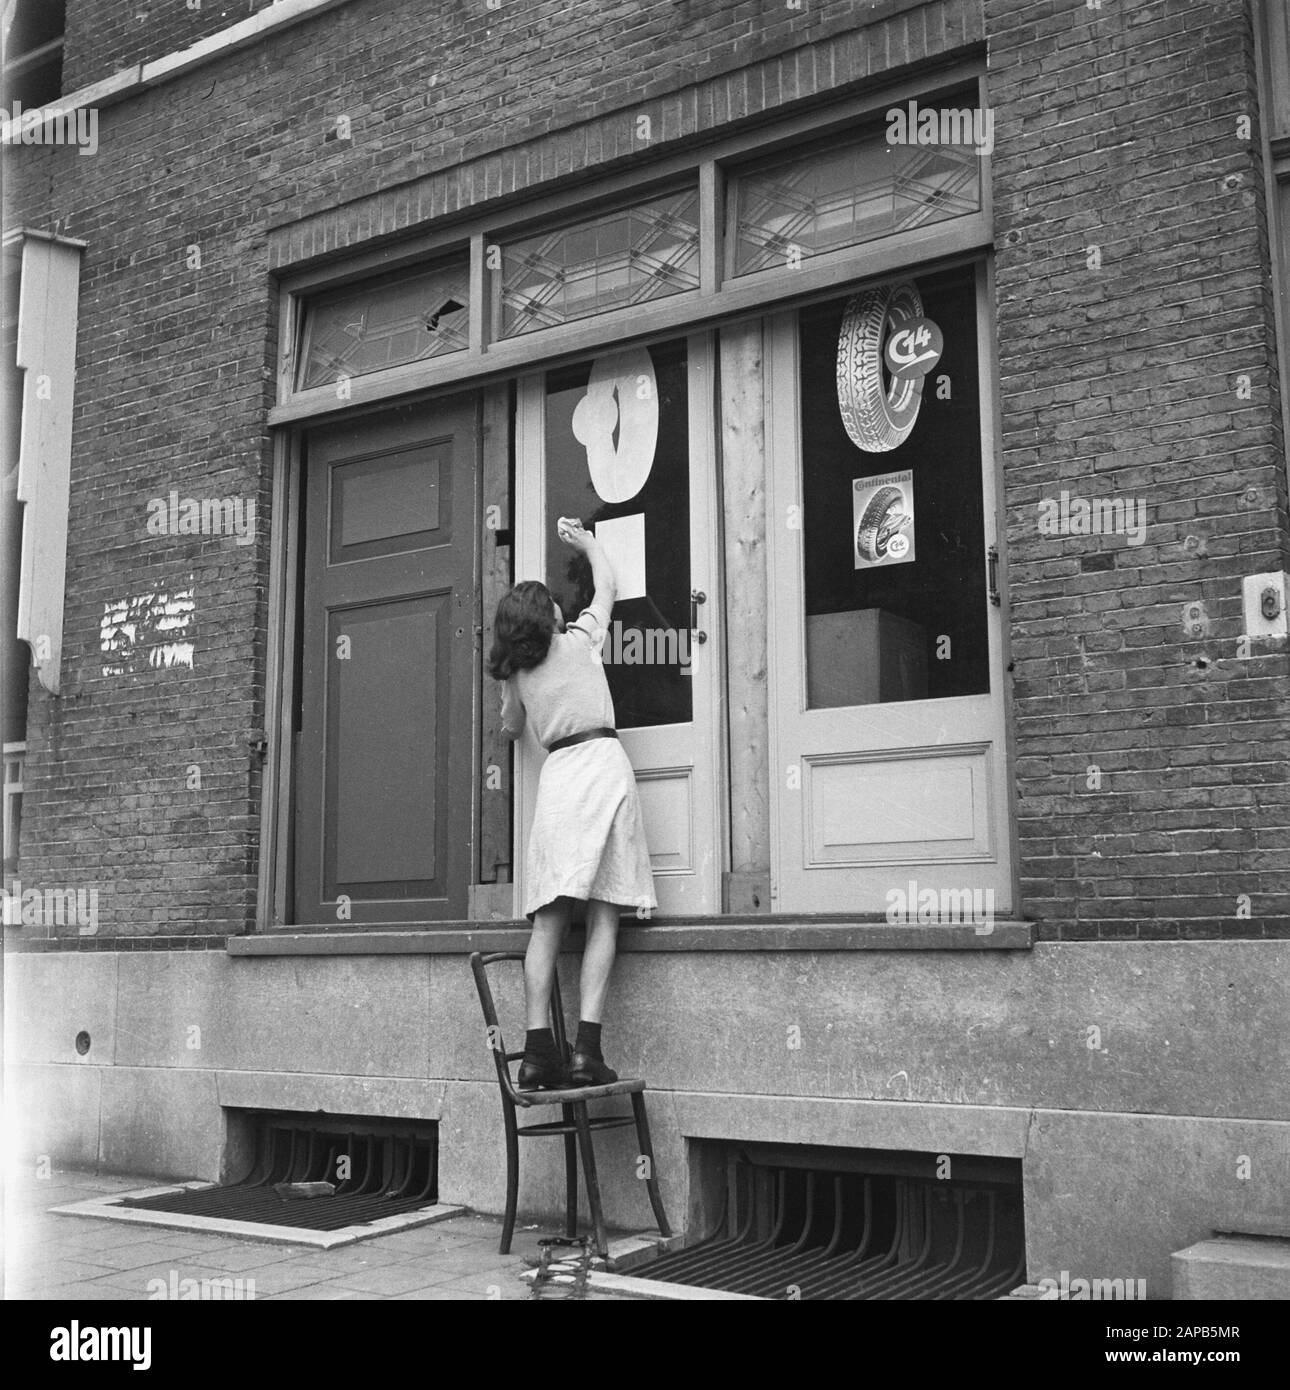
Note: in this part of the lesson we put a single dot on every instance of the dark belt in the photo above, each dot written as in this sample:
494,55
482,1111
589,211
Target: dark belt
581,738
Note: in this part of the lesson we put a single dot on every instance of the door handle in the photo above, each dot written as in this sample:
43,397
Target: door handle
992,572
697,596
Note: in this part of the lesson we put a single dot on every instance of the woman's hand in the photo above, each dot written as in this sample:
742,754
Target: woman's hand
572,532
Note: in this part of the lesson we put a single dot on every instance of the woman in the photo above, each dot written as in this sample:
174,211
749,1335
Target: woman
588,838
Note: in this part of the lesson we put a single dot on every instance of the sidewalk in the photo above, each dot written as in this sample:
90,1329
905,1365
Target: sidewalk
83,1258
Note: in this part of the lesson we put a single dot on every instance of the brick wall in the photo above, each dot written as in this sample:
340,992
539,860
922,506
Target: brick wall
104,36
1118,130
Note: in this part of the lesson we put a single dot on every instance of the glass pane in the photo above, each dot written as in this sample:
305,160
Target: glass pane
387,323
632,486
894,543
845,195
640,253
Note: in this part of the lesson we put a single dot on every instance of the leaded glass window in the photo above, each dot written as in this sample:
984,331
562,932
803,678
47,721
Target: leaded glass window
639,253
386,323
846,194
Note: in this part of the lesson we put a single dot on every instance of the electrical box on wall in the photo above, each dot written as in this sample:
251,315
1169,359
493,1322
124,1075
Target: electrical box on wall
1264,604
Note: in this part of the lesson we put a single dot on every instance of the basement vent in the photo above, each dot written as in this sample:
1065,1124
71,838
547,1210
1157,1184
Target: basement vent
851,1224
374,1168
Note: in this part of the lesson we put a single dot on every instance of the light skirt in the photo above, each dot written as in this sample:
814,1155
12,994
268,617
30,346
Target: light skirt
588,837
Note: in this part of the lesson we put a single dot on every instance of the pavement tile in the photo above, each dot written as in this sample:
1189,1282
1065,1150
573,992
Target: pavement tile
136,1280
251,1257
425,1238
445,1271
365,1255
21,1267
24,1283
34,1228
147,1252
87,1293
328,1293
291,1274
98,1234
488,1290
393,1279
441,1293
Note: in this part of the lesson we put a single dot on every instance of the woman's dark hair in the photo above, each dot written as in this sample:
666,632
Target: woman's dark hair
522,630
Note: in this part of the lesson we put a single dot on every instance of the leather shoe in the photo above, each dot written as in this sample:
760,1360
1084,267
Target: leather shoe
541,1073
586,1070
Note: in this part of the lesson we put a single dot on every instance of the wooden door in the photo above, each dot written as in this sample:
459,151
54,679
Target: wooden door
648,487
887,710
384,800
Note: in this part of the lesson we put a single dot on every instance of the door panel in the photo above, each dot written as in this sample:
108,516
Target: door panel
667,804
887,714
386,667
926,803
626,443
381,790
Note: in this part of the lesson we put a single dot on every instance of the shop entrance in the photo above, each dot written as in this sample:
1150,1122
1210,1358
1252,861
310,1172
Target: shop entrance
887,714
624,442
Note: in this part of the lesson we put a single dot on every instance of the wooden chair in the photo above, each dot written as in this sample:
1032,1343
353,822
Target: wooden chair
574,1125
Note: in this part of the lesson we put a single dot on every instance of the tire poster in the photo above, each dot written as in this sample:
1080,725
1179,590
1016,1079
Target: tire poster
882,516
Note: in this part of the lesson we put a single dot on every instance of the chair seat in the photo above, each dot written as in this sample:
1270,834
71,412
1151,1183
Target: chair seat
623,1087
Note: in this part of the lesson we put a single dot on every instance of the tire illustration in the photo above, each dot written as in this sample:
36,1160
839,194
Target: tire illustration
877,418
872,534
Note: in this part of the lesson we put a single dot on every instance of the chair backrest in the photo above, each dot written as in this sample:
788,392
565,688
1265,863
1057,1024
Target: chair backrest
479,964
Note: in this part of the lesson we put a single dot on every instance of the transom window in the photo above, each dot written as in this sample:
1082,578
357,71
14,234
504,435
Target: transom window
847,194
643,252
694,237
387,323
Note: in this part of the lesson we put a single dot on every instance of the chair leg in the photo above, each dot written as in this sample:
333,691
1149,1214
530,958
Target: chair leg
570,1176
512,1180
647,1151
589,1171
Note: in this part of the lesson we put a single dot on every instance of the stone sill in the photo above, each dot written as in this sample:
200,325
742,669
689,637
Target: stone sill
761,933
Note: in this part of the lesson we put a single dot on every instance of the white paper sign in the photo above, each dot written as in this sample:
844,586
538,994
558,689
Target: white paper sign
624,542
622,395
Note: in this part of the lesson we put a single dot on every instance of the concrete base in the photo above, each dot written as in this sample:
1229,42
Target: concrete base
1110,1070
1234,1268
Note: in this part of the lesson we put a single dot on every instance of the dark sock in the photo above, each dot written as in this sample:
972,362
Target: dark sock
540,1042
589,1040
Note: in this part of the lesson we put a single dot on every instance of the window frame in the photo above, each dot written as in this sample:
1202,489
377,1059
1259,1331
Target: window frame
327,298
1272,57
763,161
719,296
13,792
